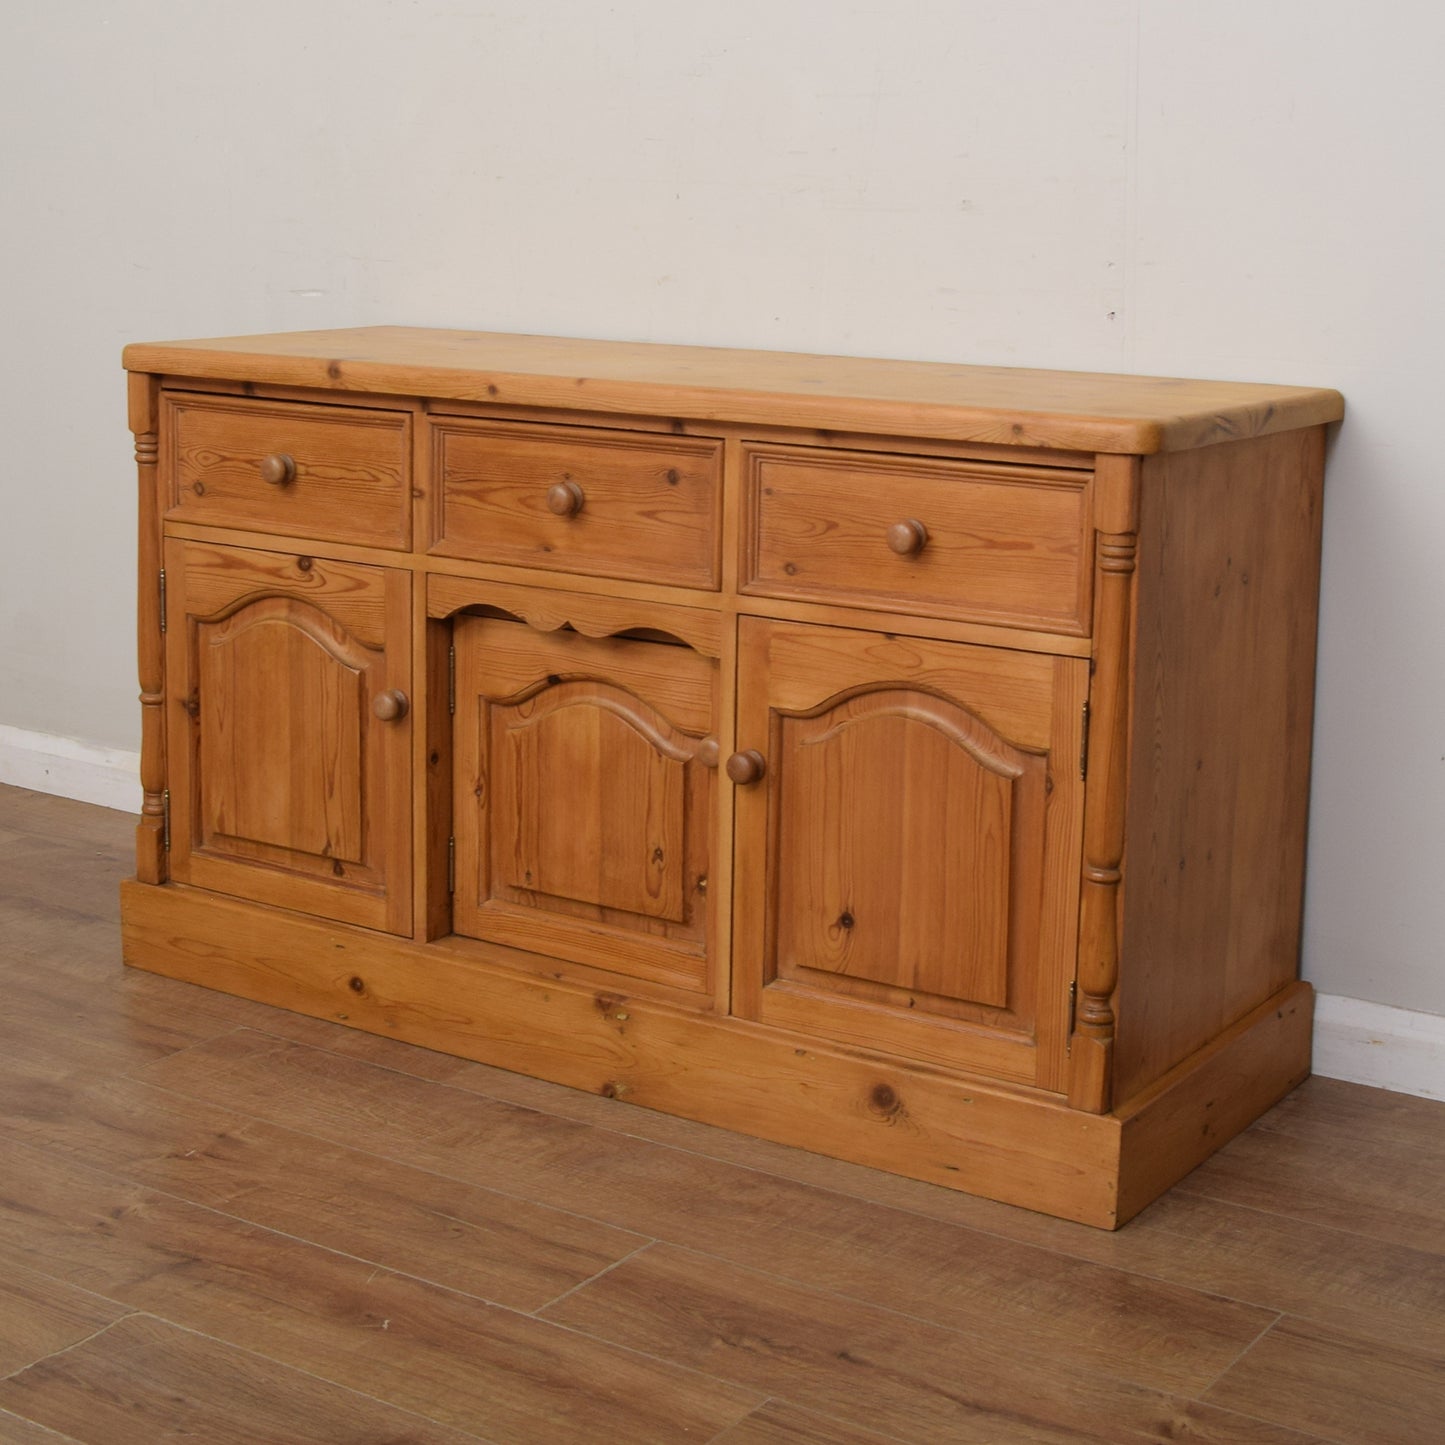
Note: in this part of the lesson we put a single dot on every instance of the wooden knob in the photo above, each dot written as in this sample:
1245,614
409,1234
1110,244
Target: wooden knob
707,753
746,767
908,538
391,706
278,469
565,498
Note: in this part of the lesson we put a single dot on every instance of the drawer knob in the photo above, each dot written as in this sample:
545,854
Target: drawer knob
565,499
707,752
278,469
391,705
908,538
746,767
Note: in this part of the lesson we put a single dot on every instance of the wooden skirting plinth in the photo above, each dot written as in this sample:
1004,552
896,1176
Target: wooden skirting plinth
1018,1146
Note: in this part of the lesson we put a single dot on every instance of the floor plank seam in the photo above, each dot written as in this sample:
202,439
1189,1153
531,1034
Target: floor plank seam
1217,1378
135,1072
310,1375
376,1266
79,1288
591,1279
329,1143
974,1231
1197,1193
772,1274
46,1432
674,1366
1045,1362
74,1344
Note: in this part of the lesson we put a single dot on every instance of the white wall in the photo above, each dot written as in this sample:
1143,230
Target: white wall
1249,189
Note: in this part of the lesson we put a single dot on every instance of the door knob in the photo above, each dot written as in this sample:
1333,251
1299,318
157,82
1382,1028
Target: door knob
278,469
565,499
746,767
391,705
908,538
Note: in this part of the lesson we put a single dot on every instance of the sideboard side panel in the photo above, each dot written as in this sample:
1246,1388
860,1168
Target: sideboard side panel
1228,564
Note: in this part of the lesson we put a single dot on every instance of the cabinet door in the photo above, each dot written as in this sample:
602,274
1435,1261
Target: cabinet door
585,798
907,865
287,787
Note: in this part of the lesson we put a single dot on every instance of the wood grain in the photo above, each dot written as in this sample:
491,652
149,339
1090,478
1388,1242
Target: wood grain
144,1381
143,411
1338,1385
773,1262
285,785
1003,544
1091,1072
872,1367
438,1353
865,911
925,892
957,1131
350,482
40,1316
15,1431
643,506
1377,1191
1198,1107
1227,594
878,1255
585,815
467,1238
1073,410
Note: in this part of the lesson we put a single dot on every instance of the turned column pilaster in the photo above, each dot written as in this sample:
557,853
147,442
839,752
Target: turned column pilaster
1092,1045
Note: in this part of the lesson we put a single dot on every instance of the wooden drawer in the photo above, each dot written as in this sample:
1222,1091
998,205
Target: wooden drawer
988,542
333,473
623,504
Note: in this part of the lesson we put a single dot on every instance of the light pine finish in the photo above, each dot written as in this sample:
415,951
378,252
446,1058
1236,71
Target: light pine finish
585,797
150,858
317,471
224,1222
289,745
1228,579
1077,411
1091,1080
903,761
1003,545
612,503
908,876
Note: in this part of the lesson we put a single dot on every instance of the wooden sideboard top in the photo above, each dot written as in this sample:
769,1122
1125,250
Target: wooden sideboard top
1071,410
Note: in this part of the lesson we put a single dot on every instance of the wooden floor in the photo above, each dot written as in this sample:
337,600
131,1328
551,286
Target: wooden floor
224,1223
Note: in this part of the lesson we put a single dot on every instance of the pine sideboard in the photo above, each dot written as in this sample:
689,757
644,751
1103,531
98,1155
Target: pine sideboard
903,761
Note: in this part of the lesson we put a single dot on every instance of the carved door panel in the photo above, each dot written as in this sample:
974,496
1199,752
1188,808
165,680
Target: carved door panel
287,732
586,797
908,863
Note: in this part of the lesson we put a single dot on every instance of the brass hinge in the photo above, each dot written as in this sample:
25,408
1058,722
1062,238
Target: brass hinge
163,599
166,819
1084,745
1073,1017
452,678
451,865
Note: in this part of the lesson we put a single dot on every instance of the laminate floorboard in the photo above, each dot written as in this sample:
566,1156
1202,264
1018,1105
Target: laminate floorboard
144,1381
225,1223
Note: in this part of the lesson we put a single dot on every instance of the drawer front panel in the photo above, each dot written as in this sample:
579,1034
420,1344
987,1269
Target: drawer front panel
338,474
632,505
989,543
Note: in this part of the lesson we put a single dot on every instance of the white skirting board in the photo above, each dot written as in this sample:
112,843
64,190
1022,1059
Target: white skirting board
70,769
1372,1043
1365,1043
